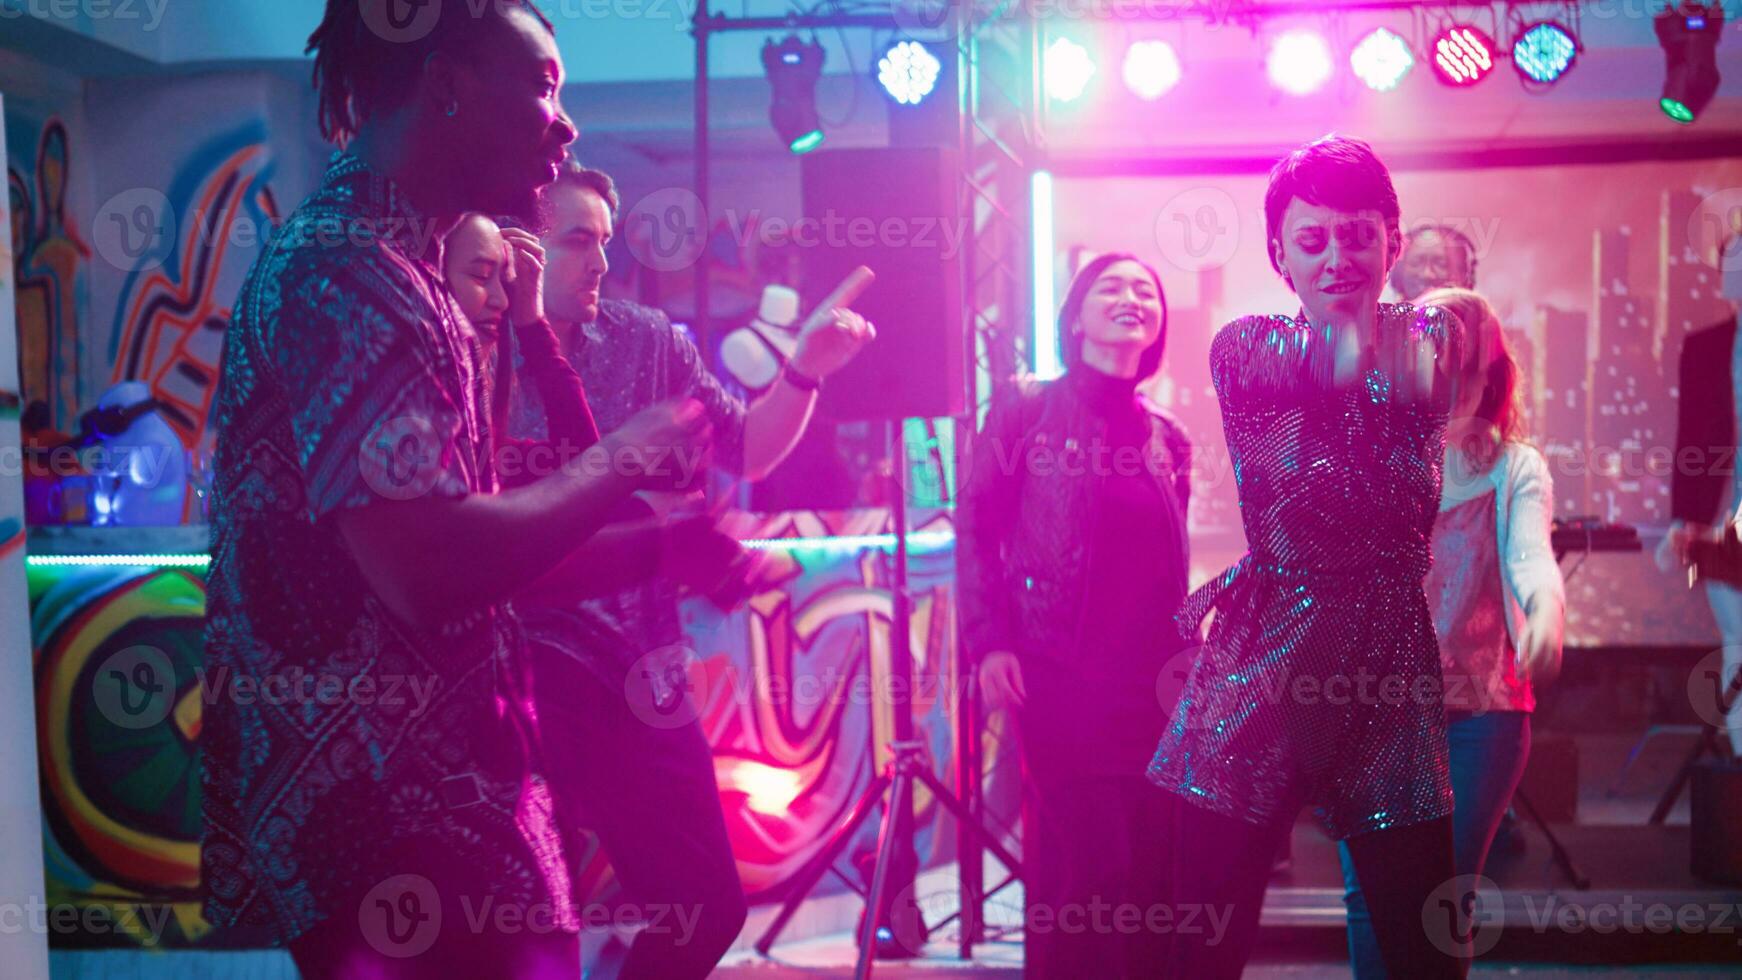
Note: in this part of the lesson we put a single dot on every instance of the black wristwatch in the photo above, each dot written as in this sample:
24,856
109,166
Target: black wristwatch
798,379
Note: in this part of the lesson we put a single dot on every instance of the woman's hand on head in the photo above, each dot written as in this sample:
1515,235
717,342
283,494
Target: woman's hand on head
523,274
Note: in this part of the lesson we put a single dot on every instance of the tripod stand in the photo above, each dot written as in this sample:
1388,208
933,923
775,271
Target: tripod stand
1708,743
895,837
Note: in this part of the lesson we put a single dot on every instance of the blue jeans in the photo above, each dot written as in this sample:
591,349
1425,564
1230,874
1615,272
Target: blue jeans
1487,759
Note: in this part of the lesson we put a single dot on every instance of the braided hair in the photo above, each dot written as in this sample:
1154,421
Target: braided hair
367,60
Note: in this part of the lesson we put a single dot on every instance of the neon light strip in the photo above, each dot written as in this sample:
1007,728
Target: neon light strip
915,539
1044,349
156,561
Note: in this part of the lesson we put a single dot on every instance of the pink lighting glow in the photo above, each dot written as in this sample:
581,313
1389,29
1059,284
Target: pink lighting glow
1300,62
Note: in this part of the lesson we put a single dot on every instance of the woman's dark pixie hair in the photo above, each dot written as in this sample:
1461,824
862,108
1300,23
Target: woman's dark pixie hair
1332,172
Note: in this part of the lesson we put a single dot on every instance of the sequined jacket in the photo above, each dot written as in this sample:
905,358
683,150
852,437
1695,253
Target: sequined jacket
1021,560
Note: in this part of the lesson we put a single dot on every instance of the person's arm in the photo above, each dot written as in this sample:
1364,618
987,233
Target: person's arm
1530,563
985,515
433,558
775,423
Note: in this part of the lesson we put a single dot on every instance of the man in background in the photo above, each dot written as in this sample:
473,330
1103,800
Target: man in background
622,747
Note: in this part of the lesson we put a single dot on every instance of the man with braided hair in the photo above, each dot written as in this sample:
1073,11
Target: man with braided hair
388,820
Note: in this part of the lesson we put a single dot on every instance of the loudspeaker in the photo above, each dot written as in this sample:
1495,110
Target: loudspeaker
897,211
1551,777
1715,799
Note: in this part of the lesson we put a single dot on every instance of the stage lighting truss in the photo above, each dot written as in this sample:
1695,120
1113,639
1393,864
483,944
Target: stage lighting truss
793,67
1544,51
1151,69
1462,54
1300,62
1382,60
908,72
1069,68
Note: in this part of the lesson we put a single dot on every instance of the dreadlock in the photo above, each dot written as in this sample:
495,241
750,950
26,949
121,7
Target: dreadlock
366,63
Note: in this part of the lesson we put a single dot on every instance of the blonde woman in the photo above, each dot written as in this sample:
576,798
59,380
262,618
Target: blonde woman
1496,595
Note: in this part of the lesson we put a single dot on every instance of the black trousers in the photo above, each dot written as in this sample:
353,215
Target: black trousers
648,791
1095,832
1227,864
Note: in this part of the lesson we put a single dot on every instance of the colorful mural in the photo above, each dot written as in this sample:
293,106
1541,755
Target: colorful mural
171,320
783,689
47,255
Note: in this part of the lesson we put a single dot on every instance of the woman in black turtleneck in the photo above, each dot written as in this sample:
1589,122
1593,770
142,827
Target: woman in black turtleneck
1072,564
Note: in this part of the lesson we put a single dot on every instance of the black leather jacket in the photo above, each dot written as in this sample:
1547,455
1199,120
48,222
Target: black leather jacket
1026,513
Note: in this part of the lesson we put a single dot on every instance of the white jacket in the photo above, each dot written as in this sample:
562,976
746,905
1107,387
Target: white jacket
1524,499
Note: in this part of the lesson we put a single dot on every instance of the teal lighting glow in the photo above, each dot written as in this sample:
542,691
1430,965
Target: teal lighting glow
1044,348
916,540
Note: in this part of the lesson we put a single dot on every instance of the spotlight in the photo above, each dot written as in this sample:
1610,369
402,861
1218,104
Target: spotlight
793,68
1463,55
1068,69
1689,36
1151,69
1544,53
1382,60
1300,62
908,71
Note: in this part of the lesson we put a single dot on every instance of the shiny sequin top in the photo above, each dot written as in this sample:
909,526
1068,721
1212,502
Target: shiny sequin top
1319,682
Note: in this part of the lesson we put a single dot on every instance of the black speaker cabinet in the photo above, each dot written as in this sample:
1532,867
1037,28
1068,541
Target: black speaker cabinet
897,211
1716,821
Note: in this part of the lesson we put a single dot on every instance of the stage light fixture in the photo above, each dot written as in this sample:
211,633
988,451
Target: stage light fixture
1544,52
1689,35
1151,69
793,67
1382,60
908,71
1462,55
1299,62
1068,70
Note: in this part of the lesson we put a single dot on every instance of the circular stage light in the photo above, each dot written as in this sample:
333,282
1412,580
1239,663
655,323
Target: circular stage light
1382,60
1544,53
1151,69
1068,69
1463,55
908,71
1300,62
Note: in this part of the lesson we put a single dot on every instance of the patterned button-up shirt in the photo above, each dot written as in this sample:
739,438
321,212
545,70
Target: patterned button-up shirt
629,358
342,746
